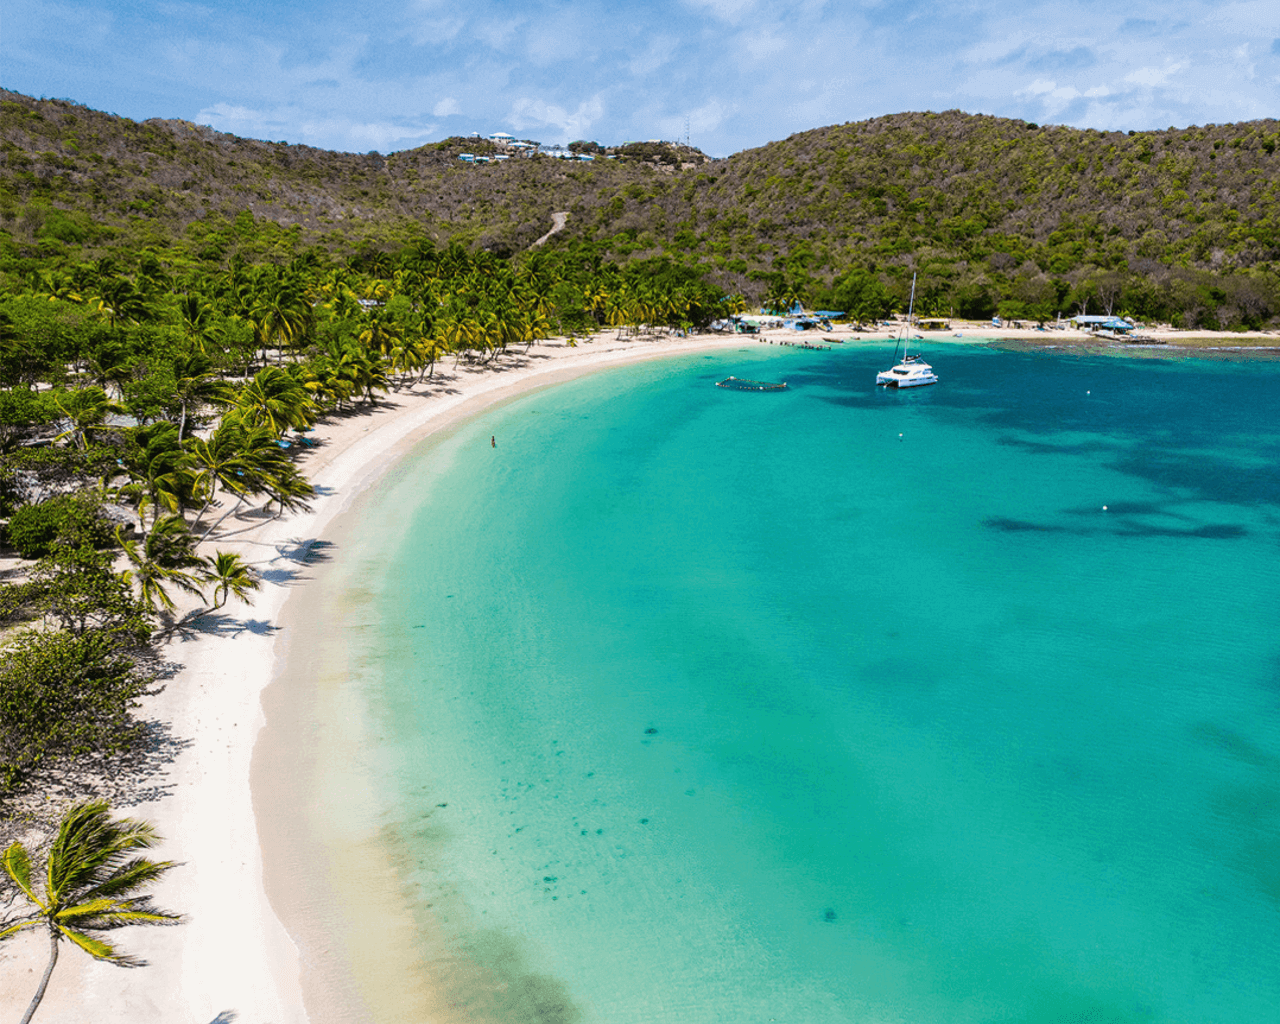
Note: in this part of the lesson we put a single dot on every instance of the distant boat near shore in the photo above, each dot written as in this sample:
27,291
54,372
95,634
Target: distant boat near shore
742,384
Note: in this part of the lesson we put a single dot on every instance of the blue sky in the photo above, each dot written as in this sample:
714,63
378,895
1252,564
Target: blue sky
392,74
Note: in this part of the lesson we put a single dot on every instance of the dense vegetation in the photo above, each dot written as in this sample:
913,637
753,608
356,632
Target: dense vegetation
994,213
148,396
175,302
178,307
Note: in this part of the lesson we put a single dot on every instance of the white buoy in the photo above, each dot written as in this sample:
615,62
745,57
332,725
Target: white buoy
1104,508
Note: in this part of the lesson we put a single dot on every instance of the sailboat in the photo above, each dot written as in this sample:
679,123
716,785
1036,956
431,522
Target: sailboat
913,371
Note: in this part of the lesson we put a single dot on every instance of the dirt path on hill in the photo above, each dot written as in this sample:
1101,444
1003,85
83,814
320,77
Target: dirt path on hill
558,221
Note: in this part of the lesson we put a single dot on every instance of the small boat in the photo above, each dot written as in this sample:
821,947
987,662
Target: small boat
742,384
912,372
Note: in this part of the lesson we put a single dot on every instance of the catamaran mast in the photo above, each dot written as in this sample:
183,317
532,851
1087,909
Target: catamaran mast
911,308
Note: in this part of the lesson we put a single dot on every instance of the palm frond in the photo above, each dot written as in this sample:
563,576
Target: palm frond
13,929
17,865
98,949
130,878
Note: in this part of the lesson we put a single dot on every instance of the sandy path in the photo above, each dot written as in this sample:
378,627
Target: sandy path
558,221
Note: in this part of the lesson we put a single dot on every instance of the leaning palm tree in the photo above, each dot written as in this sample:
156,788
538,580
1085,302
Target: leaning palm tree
245,461
197,384
230,576
276,400
161,472
165,557
93,882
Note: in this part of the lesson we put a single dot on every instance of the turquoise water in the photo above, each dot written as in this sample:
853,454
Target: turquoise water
842,704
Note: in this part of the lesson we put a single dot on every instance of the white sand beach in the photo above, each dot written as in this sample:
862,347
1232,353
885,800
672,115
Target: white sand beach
232,958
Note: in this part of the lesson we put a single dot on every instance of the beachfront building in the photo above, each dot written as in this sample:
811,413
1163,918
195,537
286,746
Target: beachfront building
1109,324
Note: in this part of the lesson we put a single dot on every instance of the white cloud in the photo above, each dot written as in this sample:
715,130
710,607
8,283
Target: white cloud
761,44
742,71
530,113
1054,98
659,51
726,10
498,33
701,121
709,116
1154,77
236,120
293,125
434,31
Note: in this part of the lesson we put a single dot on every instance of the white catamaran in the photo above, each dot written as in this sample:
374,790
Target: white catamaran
912,372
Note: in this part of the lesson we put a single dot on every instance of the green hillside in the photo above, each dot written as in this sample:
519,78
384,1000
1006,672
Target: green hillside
991,212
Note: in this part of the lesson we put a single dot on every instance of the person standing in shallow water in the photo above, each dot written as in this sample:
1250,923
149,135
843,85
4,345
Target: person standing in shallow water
493,440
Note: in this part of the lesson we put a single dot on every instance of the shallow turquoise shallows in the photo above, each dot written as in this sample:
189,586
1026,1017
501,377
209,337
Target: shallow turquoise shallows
952,705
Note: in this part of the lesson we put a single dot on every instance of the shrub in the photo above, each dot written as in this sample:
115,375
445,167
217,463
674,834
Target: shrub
63,695
68,518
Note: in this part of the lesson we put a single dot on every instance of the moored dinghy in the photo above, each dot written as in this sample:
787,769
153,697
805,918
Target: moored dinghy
742,384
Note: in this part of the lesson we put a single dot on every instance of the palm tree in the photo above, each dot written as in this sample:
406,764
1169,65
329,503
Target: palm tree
197,384
230,575
275,400
161,472
199,321
165,557
55,285
86,410
429,349
280,315
119,299
379,331
93,882
244,461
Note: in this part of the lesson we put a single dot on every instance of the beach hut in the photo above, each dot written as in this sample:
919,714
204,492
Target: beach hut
1103,323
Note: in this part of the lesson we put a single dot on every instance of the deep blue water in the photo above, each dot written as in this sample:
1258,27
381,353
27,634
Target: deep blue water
842,704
